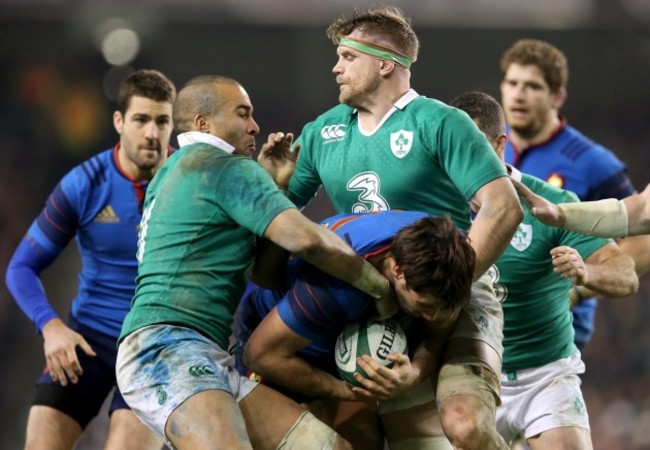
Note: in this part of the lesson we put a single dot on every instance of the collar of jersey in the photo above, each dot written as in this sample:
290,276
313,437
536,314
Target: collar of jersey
406,99
196,137
514,173
399,104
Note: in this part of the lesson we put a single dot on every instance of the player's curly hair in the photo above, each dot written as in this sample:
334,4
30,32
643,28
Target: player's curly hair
389,22
436,259
147,83
550,60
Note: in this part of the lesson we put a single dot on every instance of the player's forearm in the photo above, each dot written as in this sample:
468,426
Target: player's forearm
614,278
325,250
491,233
638,212
22,279
295,374
334,256
605,218
427,356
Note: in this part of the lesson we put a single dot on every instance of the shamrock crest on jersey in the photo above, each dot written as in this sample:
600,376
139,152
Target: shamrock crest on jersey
523,237
401,142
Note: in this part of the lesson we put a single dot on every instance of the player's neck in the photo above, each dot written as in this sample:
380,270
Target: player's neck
380,262
380,103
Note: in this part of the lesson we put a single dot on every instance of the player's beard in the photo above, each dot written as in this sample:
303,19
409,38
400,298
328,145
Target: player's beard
357,97
143,162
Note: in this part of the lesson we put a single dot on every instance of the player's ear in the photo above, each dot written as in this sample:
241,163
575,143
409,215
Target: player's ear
395,269
201,124
118,122
500,143
559,98
386,66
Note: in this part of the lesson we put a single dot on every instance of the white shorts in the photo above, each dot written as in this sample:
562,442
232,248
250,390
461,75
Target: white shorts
160,366
543,398
482,318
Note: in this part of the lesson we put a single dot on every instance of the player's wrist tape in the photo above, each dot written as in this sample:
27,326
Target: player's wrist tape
604,218
371,281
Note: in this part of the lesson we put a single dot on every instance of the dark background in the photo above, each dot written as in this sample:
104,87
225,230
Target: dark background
56,93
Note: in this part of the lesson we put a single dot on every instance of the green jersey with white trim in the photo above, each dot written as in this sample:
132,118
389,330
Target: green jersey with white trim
201,214
538,323
423,156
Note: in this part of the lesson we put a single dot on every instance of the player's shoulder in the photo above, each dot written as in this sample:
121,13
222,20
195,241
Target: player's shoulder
90,173
338,114
548,191
585,150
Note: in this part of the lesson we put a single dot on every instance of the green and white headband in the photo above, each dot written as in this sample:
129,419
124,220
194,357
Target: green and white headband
372,49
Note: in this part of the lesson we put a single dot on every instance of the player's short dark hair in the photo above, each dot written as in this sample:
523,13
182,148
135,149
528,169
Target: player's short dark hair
147,83
548,58
437,259
389,22
484,110
198,96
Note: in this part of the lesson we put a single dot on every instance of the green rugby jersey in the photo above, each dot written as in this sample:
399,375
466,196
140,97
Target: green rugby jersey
538,323
201,214
424,156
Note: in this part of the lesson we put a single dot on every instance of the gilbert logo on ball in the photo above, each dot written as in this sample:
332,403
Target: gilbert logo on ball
376,338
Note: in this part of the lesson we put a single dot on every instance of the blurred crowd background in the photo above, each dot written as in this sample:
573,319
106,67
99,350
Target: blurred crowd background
62,60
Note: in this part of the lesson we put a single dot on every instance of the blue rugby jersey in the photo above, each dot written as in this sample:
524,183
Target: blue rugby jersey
100,206
569,160
317,306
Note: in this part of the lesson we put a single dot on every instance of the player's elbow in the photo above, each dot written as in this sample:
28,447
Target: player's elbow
256,359
308,242
632,285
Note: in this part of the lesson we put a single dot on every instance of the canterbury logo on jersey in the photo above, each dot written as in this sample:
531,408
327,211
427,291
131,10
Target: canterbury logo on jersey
107,215
333,133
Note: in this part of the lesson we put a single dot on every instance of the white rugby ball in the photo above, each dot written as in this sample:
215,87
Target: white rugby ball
377,338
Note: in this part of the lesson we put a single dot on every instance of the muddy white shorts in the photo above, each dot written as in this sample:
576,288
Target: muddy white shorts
160,366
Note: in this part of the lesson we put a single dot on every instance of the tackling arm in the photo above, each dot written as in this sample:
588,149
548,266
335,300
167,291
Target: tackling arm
327,251
271,353
607,271
496,222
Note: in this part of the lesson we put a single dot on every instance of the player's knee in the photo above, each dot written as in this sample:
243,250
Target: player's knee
307,430
463,423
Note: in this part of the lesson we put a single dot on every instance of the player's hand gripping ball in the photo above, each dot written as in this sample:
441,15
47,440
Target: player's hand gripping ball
376,338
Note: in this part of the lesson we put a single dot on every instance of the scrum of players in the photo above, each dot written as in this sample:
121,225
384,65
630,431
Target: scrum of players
214,304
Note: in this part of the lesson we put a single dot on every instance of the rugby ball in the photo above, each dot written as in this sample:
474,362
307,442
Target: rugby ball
377,338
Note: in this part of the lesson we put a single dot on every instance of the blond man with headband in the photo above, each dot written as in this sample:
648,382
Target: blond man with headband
387,147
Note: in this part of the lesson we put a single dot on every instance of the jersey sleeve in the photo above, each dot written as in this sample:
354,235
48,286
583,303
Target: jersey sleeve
317,302
305,181
47,236
466,154
249,196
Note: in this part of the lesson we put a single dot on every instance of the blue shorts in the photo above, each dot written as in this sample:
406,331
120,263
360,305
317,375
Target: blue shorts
82,401
584,315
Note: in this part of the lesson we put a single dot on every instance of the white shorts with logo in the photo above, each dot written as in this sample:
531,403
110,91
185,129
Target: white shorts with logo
482,318
543,398
160,366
